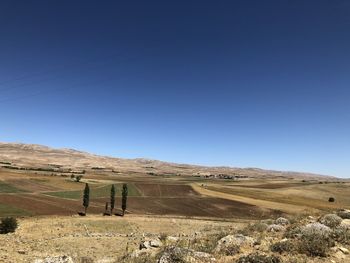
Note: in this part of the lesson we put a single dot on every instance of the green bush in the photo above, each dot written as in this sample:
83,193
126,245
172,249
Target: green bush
8,225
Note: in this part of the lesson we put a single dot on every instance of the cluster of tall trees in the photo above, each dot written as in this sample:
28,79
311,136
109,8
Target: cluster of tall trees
86,199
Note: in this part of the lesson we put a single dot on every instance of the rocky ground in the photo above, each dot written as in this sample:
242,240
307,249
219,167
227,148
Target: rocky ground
165,240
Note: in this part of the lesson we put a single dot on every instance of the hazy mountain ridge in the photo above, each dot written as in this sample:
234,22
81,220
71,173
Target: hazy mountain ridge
33,155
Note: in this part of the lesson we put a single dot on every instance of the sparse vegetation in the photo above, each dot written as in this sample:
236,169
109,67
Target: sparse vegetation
8,188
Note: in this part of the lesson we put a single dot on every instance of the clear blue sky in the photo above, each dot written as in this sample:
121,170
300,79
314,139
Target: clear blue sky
240,83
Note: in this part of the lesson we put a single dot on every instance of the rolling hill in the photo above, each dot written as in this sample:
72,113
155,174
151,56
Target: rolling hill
32,156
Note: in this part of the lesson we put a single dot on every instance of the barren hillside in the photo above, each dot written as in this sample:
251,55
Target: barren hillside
38,156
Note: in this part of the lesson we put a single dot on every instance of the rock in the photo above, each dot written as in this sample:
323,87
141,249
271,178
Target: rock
345,223
275,228
172,239
171,254
145,245
154,243
344,250
138,253
339,255
58,259
22,252
106,260
282,221
234,240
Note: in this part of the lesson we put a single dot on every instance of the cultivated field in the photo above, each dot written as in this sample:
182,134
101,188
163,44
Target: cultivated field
33,193
194,206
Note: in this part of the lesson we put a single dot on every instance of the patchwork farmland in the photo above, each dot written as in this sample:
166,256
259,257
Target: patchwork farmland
28,194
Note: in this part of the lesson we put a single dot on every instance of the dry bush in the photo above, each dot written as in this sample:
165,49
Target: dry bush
331,220
342,234
316,239
282,221
293,231
250,229
163,237
86,260
284,246
259,258
345,214
207,243
171,254
230,250
275,228
145,258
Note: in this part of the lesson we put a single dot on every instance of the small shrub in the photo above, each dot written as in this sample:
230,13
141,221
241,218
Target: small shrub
78,178
331,200
208,243
250,229
259,258
342,234
282,221
275,228
331,220
230,250
345,214
172,254
293,231
142,258
283,246
316,239
86,260
8,225
163,237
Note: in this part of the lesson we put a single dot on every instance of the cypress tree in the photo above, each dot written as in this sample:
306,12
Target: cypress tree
106,209
86,197
112,198
124,197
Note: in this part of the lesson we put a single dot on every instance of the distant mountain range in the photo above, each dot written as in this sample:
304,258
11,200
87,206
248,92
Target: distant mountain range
32,156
